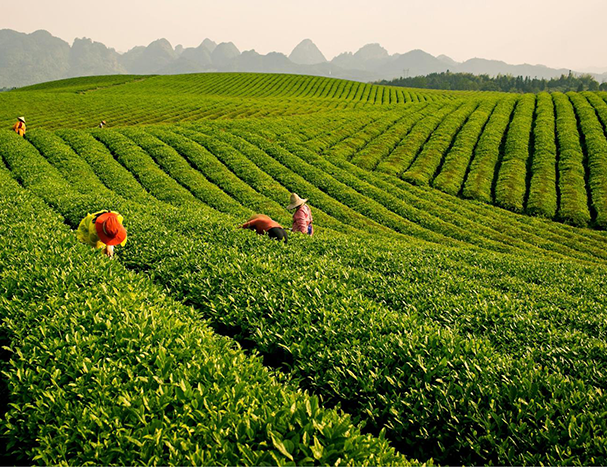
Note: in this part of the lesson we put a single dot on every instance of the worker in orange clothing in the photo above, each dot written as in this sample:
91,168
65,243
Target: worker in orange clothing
102,229
19,127
263,224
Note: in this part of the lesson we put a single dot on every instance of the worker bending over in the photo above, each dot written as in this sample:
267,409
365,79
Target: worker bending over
302,217
262,224
19,127
102,229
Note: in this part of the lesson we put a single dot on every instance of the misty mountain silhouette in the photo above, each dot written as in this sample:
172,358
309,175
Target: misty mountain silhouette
306,53
37,57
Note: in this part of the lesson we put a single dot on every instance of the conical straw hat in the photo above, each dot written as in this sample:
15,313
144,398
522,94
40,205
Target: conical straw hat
22,119
296,201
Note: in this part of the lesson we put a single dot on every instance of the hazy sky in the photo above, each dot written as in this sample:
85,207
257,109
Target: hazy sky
556,33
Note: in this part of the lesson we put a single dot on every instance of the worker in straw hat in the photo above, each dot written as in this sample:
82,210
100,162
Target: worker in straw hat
102,229
19,127
302,217
102,124
263,224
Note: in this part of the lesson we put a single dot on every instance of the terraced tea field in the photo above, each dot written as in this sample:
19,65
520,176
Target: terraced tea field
414,325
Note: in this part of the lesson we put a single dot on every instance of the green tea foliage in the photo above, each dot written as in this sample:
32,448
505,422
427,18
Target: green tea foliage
511,186
479,182
106,369
573,206
484,146
596,156
542,200
454,170
445,328
427,163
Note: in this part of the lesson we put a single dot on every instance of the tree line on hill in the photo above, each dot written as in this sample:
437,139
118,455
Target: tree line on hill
504,83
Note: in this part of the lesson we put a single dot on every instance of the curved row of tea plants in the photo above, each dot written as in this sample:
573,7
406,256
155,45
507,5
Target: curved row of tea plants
118,373
481,155
595,142
511,182
405,152
427,164
348,293
573,206
128,100
424,207
542,198
457,160
480,356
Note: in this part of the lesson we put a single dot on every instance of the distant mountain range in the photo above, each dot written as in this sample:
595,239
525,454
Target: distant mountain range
38,57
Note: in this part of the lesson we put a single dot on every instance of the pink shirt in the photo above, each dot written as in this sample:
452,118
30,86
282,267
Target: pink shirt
302,220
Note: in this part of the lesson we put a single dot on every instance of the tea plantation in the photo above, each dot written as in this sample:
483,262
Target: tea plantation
450,308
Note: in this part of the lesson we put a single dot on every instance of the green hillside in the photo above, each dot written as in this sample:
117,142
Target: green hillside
415,324
545,155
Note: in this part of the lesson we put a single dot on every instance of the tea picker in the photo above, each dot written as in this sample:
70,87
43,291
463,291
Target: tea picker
19,127
102,229
263,224
302,217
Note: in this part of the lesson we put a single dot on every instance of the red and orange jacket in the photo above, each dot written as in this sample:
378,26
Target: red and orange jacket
261,224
